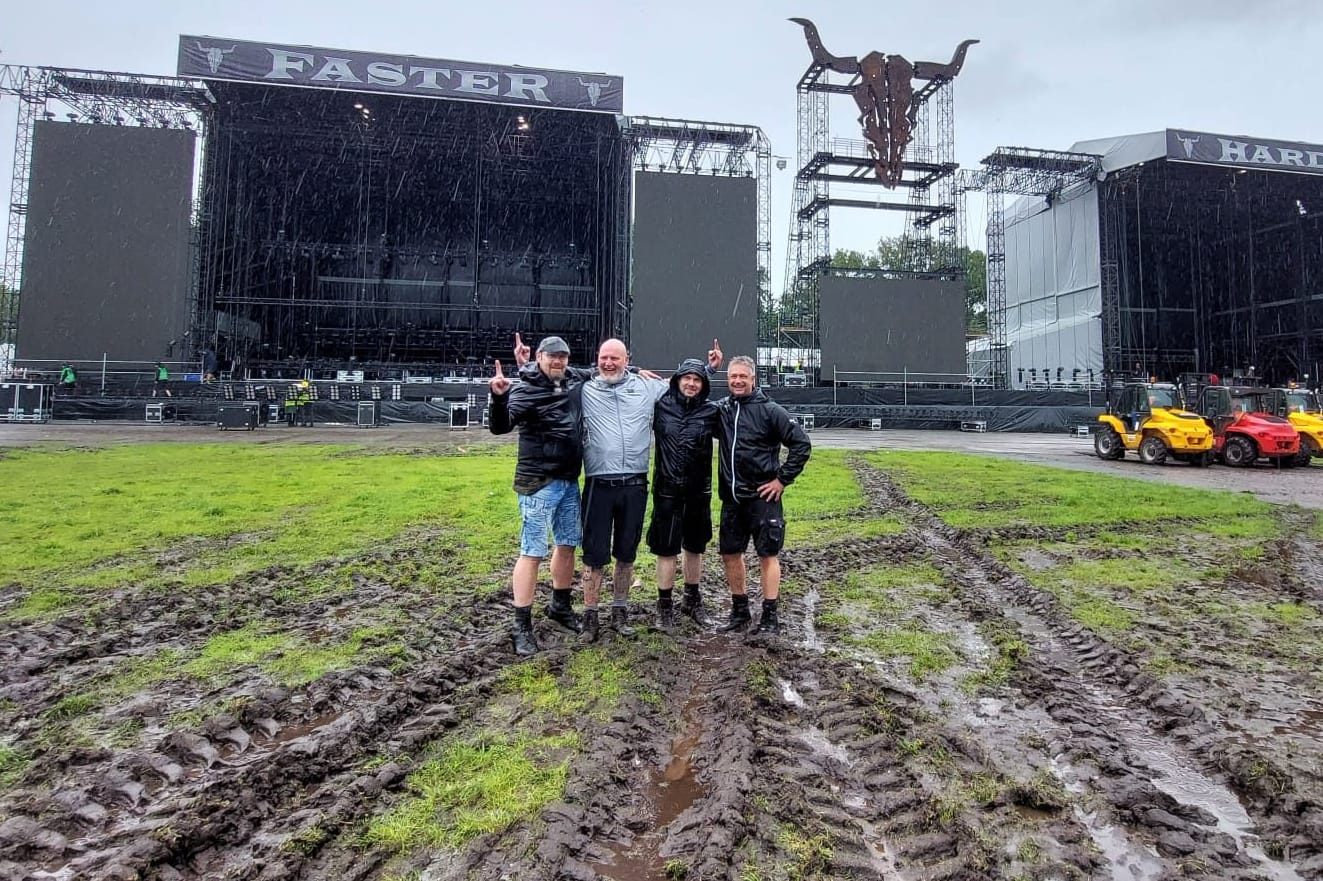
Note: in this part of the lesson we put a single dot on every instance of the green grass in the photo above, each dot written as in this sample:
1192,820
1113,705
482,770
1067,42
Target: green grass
1136,574
192,515
1287,615
817,503
13,762
891,588
196,514
809,855
1008,650
826,488
286,659
474,787
801,532
928,652
1097,612
594,681
1166,665
975,491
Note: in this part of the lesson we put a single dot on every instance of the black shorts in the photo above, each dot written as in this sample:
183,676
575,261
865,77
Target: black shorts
680,522
753,518
612,519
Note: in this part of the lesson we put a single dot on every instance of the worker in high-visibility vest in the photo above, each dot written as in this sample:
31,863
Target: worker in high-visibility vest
303,403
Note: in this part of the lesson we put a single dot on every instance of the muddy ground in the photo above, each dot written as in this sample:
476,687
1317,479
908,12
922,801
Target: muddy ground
1037,748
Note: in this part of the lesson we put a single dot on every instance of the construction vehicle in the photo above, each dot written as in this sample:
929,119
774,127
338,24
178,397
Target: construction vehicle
1244,427
1300,407
1149,418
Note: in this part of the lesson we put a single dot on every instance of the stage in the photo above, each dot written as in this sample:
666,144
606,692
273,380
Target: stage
434,403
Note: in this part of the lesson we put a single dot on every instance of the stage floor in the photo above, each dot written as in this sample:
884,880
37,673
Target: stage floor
1300,486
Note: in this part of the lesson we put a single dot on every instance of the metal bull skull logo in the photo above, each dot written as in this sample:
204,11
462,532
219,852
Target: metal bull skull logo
215,55
594,90
884,94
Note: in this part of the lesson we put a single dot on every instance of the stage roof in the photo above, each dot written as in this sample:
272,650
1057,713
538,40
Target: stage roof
283,64
1205,148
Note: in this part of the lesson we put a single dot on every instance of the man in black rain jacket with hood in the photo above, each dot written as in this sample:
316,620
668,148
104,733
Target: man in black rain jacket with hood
752,428
684,423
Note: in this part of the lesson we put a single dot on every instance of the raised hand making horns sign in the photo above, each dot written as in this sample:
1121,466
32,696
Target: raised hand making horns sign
498,384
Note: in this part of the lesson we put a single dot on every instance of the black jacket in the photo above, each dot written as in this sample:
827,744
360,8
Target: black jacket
683,428
752,431
547,415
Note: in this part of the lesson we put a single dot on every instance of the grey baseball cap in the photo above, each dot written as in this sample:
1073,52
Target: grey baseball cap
553,345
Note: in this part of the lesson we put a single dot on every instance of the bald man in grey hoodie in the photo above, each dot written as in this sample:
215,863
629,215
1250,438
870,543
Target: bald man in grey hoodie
617,412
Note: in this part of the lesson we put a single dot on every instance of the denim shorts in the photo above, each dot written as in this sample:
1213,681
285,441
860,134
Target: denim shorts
554,509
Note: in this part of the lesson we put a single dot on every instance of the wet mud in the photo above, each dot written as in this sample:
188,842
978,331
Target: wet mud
960,725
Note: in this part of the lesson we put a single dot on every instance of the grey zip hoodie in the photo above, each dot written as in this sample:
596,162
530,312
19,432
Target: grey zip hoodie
617,424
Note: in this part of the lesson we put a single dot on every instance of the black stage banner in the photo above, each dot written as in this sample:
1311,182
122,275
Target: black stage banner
281,64
1242,152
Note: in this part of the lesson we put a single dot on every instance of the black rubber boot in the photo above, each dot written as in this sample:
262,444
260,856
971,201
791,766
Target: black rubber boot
739,614
561,612
620,621
590,631
665,611
692,606
522,637
768,623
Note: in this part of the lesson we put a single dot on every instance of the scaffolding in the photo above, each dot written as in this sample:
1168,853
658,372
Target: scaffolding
89,97
683,146
928,173
1019,171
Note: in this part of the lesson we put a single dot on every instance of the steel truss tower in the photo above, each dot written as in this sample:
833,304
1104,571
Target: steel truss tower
684,146
928,173
1022,171
95,97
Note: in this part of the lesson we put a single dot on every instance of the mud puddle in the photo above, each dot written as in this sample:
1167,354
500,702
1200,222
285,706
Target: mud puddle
1179,776
674,789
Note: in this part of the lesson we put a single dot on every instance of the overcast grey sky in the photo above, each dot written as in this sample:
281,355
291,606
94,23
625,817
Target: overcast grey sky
1046,74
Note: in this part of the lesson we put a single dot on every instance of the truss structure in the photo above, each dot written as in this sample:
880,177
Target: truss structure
928,176
1020,171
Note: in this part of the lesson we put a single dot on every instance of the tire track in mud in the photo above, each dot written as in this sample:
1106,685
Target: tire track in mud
1296,561
832,763
1165,767
42,661
227,797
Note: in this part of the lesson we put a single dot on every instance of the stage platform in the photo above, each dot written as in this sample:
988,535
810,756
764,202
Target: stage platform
816,408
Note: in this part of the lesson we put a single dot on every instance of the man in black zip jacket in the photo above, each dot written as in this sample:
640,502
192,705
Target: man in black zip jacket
684,422
545,408
752,428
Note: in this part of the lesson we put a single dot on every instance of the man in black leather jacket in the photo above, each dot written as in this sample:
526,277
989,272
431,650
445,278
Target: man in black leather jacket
752,428
684,423
545,408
